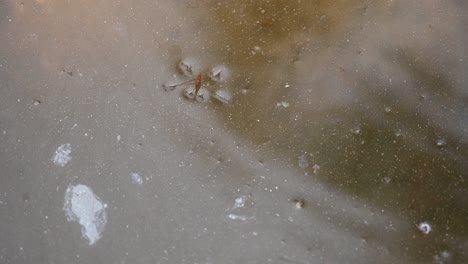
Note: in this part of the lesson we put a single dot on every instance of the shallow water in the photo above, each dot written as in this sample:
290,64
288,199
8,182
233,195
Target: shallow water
344,139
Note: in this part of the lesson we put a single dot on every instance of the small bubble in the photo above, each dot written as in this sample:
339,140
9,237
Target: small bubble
356,130
26,197
36,102
388,109
247,91
425,228
441,143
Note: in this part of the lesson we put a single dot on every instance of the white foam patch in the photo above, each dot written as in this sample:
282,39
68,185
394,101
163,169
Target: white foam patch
62,155
83,206
240,202
136,178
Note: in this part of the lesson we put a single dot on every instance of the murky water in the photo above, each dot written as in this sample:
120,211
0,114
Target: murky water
322,131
